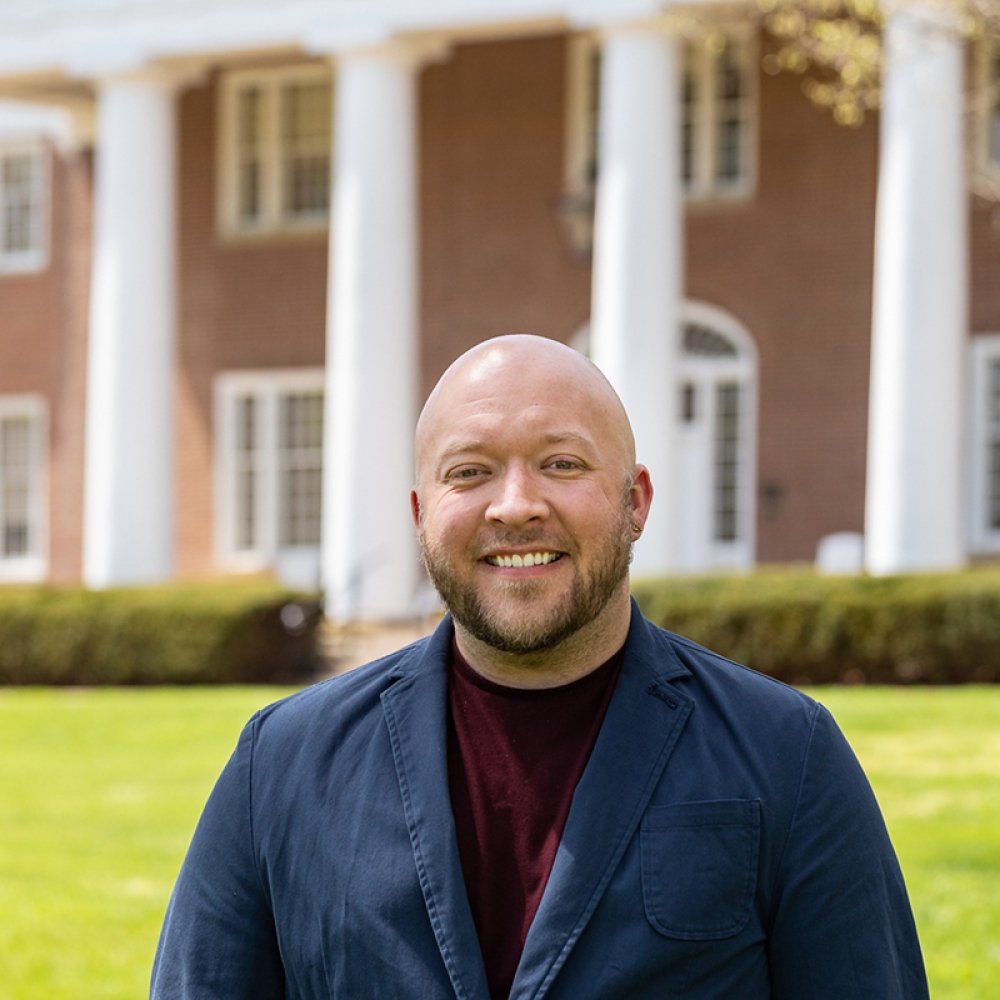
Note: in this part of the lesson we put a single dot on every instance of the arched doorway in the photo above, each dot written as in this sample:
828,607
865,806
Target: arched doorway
716,442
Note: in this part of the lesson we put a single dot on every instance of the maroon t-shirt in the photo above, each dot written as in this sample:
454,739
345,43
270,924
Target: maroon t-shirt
514,759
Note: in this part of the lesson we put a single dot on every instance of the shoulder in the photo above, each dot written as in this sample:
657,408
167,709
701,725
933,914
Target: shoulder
339,708
723,690
748,735
715,670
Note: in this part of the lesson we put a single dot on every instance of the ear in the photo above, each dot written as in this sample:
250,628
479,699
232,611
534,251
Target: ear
641,495
415,508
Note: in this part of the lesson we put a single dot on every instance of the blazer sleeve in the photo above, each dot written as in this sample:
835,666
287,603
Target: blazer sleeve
218,939
841,925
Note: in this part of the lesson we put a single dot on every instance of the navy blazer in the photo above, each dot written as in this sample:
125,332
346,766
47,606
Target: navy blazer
723,842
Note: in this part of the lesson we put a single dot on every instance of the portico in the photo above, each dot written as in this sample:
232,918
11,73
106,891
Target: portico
367,562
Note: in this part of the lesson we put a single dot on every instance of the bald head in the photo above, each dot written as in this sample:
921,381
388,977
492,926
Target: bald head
527,502
520,373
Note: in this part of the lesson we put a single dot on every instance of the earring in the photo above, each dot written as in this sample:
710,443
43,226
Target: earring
637,527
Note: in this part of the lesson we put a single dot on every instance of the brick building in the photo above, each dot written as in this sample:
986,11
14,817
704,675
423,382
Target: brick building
202,374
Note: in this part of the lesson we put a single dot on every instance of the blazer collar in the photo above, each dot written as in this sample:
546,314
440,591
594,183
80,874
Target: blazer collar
643,722
415,709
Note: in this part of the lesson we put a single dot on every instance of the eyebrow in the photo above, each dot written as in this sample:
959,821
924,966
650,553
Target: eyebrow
479,445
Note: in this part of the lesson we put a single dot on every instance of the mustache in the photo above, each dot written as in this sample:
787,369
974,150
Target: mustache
502,540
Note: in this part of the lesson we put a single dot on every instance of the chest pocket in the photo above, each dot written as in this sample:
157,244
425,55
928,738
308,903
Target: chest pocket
699,867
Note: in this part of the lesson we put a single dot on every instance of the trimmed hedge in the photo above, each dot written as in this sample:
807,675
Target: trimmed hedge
803,628
792,624
222,633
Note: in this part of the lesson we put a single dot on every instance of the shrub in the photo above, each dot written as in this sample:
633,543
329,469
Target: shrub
800,627
173,634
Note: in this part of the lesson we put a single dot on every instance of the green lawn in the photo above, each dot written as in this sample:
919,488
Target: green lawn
99,793
100,789
933,757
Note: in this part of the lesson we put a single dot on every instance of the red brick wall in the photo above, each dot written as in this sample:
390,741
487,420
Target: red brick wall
985,249
495,262
794,264
71,269
243,305
43,351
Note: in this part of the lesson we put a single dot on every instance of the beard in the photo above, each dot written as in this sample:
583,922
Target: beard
513,622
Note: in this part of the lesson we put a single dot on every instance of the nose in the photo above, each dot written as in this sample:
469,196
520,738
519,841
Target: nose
518,499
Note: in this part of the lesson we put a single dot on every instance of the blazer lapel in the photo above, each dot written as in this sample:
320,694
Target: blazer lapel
415,709
643,723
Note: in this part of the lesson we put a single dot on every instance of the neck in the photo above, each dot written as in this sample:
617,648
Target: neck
575,657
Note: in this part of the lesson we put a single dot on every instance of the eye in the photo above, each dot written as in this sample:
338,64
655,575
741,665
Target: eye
465,474
564,464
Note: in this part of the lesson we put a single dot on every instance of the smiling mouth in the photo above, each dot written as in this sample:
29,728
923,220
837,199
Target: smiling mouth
523,560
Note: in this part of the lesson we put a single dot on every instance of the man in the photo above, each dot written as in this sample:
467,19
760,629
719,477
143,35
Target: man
549,797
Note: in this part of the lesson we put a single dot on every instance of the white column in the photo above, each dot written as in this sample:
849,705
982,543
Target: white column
914,493
129,479
637,270
369,558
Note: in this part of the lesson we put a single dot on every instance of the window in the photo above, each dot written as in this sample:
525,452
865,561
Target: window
275,156
986,444
717,121
726,448
986,99
270,466
22,491
716,118
23,194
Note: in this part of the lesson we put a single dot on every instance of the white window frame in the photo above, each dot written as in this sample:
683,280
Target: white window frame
699,57
35,257
984,430
272,219
30,566
266,387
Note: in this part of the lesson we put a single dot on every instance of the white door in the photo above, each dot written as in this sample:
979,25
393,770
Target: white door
715,449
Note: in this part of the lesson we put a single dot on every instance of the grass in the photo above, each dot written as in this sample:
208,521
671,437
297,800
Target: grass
99,794
933,757
100,790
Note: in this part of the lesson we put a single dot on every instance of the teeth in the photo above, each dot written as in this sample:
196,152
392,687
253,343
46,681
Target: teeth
529,559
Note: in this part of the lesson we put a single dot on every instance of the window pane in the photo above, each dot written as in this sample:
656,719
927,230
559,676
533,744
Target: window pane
704,342
993,486
249,145
993,445
19,197
689,403
689,111
593,115
301,463
305,113
730,114
246,534
15,487
727,442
